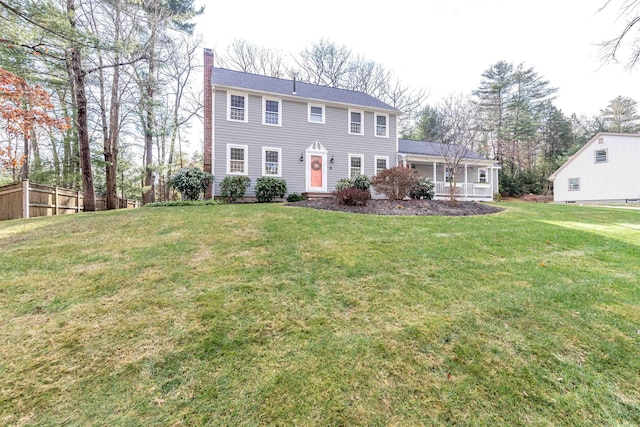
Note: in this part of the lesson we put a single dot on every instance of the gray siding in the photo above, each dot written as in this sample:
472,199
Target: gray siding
294,136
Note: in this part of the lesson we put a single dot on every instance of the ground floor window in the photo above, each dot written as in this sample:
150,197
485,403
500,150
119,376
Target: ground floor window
382,163
271,161
237,159
482,175
356,165
574,184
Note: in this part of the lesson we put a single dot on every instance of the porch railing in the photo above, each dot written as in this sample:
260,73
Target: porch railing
469,189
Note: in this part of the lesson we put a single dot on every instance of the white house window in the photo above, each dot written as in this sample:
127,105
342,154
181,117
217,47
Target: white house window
382,163
237,107
316,113
482,175
356,165
271,161
382,125
237,159
355,122
574,184
601,156
448,175
271,114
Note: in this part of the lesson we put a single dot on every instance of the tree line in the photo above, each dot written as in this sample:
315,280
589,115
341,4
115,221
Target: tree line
122,78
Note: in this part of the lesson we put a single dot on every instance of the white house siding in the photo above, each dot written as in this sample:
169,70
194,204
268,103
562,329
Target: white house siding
617,180
294,136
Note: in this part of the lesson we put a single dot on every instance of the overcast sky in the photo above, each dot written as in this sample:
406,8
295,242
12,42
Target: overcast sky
445,45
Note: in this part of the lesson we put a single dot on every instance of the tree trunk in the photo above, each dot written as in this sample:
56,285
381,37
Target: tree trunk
81,108
149,195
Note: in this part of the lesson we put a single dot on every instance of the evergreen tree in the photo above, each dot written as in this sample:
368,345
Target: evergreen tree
621,115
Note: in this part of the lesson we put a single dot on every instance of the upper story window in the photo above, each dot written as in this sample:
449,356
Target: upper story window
482,175
271,115
316,113
356,118
601,156
382,163
271,161
237,107
382,125
574,184
237,159
356,165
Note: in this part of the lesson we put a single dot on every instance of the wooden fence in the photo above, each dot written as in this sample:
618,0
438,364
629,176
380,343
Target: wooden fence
29,200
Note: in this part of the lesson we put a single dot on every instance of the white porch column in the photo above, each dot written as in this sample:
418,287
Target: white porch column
465,180
434,173
404,161
490,179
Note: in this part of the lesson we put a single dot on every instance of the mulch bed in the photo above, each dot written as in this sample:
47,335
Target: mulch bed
403,207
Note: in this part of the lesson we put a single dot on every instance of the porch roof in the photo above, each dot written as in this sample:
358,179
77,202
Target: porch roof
429,148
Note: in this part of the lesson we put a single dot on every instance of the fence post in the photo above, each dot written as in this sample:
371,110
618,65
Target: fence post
55,201
78,201
25,199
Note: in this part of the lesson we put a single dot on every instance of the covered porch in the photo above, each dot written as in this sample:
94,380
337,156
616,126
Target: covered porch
476,179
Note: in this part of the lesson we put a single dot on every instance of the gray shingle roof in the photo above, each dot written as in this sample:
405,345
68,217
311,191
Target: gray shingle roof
247,81
429,148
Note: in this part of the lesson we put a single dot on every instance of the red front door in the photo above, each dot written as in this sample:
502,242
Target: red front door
316,171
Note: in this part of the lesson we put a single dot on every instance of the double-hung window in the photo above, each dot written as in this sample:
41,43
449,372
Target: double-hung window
356,165
601,156
271,115
482,175
316,113
271,161
574,184
356,119
237,159
237,110
381,163
382,125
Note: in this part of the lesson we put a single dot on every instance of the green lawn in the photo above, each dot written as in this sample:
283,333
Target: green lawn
272,315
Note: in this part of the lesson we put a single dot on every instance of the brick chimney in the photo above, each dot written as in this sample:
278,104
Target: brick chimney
208,118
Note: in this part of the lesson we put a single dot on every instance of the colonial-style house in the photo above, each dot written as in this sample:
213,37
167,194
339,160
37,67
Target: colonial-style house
604,170
309,135
312,136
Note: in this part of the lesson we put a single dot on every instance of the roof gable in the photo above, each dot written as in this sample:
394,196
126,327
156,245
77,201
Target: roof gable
586,146
254,82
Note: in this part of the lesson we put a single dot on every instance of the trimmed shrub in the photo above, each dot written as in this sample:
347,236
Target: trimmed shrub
361,182
352,196
343,184
295,197
233,188
395,182
423,190
268,188
190,182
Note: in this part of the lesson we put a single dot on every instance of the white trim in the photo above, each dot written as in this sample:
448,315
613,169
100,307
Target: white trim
315,149
375,163
246,159
569,182
375,125
246,106
351,156
213,137
351,110
324,113
264,161
264,111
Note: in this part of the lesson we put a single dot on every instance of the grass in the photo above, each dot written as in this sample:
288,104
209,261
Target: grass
268,315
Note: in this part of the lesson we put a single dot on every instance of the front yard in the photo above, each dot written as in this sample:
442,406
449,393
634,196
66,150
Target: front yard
272,315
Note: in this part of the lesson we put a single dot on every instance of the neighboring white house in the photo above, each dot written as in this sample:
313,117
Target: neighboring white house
605,170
